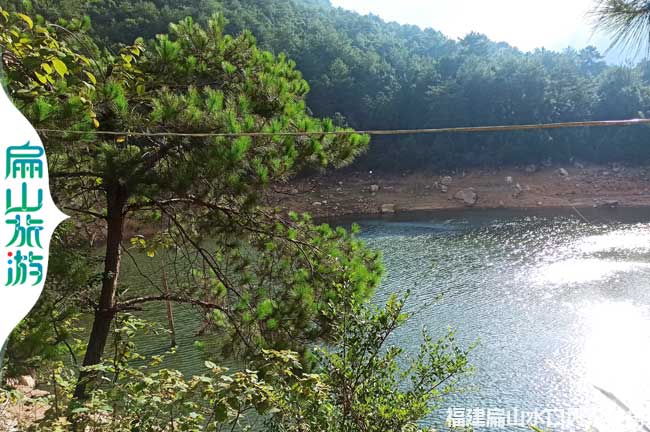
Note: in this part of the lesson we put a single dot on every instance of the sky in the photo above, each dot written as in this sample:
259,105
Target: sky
525,24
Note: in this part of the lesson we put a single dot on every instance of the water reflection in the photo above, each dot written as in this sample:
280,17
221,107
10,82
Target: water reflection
560,307
615,352
576,270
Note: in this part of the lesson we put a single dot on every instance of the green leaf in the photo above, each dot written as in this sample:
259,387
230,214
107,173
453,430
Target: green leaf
40,77
80,410
59,67
91,77
27,19
221,412
265,309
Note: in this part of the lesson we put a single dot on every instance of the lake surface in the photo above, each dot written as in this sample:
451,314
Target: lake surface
559,307
559,304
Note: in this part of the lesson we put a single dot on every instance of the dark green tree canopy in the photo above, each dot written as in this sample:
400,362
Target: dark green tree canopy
370,74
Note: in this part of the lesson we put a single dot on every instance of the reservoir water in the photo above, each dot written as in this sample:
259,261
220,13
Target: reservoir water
560,308
557,302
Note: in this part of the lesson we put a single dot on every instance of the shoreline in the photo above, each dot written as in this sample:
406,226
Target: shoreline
349,193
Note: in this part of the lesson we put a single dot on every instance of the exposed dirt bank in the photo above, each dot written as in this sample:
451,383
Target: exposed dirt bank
340,194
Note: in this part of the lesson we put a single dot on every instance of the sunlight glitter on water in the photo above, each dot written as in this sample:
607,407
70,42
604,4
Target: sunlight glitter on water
561,308
635,238
615,353
575,270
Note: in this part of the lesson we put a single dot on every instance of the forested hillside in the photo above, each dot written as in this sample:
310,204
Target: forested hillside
370,74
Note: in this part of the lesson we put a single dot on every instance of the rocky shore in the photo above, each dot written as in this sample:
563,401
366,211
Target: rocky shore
367,193
22,404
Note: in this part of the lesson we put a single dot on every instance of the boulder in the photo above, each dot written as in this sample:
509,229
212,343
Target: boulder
562,172
374,188
317,204
509,180
518,191
444,188
387,208
467,196
39,393
446,181
612,204
27,381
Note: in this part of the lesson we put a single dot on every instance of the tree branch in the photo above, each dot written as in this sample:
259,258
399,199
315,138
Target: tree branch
129,304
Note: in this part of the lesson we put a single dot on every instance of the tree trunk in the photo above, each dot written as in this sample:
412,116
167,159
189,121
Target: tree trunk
105,311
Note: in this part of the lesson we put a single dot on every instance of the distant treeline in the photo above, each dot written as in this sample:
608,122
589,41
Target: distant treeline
370,74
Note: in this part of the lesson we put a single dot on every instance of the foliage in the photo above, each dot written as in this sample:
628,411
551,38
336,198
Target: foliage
358,384
52,330
40,65
137,394
626,20
264,277
369,384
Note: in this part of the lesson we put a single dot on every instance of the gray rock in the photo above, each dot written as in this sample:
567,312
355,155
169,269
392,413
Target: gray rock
317,204
579,165
446,181
27,381
444,188
467,196
39,393
518,191
563,172
509,180
608,204
387,208
374,188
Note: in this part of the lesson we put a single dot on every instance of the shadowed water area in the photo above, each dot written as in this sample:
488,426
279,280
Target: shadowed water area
559,307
